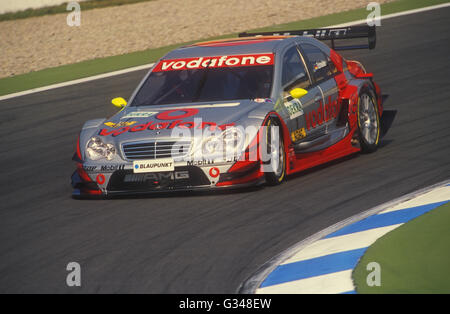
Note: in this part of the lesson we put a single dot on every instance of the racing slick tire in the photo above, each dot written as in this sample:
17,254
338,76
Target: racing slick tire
277,169
368,121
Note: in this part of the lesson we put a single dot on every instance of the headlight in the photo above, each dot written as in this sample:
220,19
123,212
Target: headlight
229,141
96,149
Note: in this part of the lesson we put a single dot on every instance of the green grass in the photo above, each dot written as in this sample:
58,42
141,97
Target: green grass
62,8
414,258
93,67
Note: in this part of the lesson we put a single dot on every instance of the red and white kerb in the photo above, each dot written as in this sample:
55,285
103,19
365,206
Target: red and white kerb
215,62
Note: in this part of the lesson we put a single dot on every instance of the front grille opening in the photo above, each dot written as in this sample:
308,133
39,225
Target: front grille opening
156,149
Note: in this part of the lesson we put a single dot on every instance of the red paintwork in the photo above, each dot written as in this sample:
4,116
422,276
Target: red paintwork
237,41
78,149
337,60
365,76
250,178
354,67
85,177
309,160
82,173
379,98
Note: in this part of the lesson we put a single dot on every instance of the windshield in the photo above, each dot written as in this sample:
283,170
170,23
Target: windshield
204,84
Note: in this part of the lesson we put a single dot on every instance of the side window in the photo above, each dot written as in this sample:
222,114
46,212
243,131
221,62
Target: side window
321,65
294,74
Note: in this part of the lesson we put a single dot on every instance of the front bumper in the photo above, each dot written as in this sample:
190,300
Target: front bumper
91,181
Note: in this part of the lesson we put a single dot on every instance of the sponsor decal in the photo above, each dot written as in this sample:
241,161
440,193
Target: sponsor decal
214,62
326,33
139,114
261,100
104,168
111,168
295,108
154,165
199,162
100,179
89,168
299,134
214,172
232,159
156,176
119,124
168,125
320,65
322,114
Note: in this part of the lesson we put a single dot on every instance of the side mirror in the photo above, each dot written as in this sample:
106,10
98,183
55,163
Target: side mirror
119,102
297,93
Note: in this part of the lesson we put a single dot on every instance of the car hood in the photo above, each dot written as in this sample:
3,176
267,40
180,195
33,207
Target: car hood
159,122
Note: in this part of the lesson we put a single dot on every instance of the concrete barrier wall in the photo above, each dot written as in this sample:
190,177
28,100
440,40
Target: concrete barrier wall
20,5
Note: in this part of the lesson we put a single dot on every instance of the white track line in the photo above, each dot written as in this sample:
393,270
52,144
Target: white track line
147,66
78,81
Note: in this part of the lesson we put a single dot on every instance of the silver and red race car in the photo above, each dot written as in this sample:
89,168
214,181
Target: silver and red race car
232,113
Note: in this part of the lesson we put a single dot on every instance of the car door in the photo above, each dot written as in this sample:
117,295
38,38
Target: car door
322,71
295,74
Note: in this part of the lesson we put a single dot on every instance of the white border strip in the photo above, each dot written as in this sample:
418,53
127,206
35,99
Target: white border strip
147,66
252,284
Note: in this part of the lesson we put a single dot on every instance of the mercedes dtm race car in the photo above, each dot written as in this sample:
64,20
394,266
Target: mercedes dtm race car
234,113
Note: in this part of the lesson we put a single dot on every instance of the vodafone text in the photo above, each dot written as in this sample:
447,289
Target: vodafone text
214,62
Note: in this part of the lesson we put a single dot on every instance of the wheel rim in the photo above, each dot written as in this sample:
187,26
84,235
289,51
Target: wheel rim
368,120
276,152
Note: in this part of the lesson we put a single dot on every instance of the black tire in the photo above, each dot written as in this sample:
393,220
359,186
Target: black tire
275,176
368,121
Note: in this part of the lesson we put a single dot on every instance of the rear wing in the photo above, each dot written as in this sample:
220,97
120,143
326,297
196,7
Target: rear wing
332,34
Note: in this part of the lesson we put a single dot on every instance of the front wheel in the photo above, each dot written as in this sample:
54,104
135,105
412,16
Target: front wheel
368,121
275,168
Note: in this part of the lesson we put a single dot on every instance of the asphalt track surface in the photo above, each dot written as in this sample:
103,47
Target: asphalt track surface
209,242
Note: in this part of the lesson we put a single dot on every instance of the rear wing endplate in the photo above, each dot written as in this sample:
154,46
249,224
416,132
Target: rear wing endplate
332,34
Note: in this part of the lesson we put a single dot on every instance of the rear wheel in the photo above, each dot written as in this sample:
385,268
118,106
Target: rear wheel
275,168
368,121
